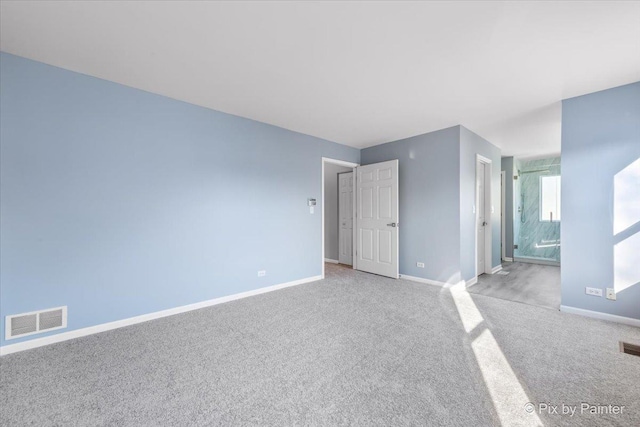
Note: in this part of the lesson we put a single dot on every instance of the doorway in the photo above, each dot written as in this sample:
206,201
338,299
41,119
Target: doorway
360,216
338,199
531,210
483,215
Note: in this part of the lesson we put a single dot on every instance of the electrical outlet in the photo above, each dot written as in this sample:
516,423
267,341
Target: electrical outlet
611,294
262,273
593,291
420,264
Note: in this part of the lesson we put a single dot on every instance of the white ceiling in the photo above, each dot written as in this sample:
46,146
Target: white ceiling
358,73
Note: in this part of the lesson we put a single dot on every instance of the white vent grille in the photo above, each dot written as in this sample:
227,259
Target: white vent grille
50,319
20,325
24,324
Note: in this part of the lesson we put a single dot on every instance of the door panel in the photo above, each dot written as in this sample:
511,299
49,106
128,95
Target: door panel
384,205
366,196
384,246
345,217
377,215
366,244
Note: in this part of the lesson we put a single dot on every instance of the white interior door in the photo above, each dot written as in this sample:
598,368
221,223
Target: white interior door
377,218
345,218
481,216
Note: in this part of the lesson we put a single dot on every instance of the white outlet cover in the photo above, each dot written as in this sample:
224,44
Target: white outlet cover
611,294
420,264
262,273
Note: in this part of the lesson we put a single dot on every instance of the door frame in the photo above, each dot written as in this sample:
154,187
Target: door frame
503,226
487,214
349,165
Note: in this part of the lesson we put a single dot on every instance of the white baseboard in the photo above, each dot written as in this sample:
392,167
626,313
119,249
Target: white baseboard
495,269
421,280
602,316
508,259
429,281
332,261
65,336
438,283
471,282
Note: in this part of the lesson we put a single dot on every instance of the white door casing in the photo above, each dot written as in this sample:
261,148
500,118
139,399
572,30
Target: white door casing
503,219
337,162
377,218
345,218
480,217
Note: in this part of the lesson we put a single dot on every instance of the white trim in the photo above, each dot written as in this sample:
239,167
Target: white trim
487,208
421,280
601,316
349,165
483,159
495,269
508,259
471,282
466,284
65,336
332,261
503,212
354,225
340,162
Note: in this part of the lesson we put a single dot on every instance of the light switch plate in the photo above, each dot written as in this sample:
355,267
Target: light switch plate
596,292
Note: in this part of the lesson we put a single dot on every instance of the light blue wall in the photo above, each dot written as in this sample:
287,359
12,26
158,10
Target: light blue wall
429,194
437,177
600,138
470,145
118,202
507,168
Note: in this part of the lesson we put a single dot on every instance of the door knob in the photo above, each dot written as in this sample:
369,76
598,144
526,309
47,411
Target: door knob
393,224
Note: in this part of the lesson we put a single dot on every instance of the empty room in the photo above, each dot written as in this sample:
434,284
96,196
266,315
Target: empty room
319,213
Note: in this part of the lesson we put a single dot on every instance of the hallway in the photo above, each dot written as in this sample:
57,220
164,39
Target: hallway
532,284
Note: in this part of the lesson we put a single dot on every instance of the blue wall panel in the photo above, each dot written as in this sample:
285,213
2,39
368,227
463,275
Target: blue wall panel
601,158
118,202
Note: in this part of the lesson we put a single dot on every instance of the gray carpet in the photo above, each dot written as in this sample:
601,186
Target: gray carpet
532,284
354,349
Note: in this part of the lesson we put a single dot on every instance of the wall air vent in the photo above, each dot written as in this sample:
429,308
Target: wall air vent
629,348
21,325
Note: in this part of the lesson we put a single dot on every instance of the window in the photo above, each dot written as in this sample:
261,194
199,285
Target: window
550,198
